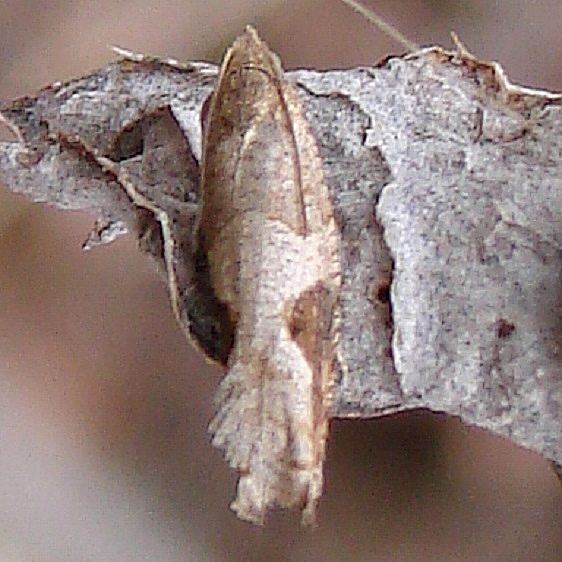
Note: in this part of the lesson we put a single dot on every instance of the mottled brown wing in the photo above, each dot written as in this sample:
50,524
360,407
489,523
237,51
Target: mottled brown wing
270,240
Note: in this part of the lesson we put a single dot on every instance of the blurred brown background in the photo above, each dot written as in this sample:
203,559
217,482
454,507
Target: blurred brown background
104,454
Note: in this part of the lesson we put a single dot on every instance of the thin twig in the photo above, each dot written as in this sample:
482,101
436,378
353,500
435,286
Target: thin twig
384,26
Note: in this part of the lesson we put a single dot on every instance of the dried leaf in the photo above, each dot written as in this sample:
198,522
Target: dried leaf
444,180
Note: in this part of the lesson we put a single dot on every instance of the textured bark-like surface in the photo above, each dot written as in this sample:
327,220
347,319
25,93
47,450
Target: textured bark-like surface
446,186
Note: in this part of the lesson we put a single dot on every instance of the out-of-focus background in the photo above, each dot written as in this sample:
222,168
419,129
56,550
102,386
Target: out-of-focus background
104,452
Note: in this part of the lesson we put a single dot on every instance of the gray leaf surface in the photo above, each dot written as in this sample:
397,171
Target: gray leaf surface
447,187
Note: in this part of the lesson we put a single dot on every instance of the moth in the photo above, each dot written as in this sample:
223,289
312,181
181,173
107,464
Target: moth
267,235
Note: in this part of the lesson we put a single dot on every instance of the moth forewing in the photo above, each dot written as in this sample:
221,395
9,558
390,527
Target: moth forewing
267,231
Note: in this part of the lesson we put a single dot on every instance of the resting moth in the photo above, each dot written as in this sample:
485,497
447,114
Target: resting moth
267,232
